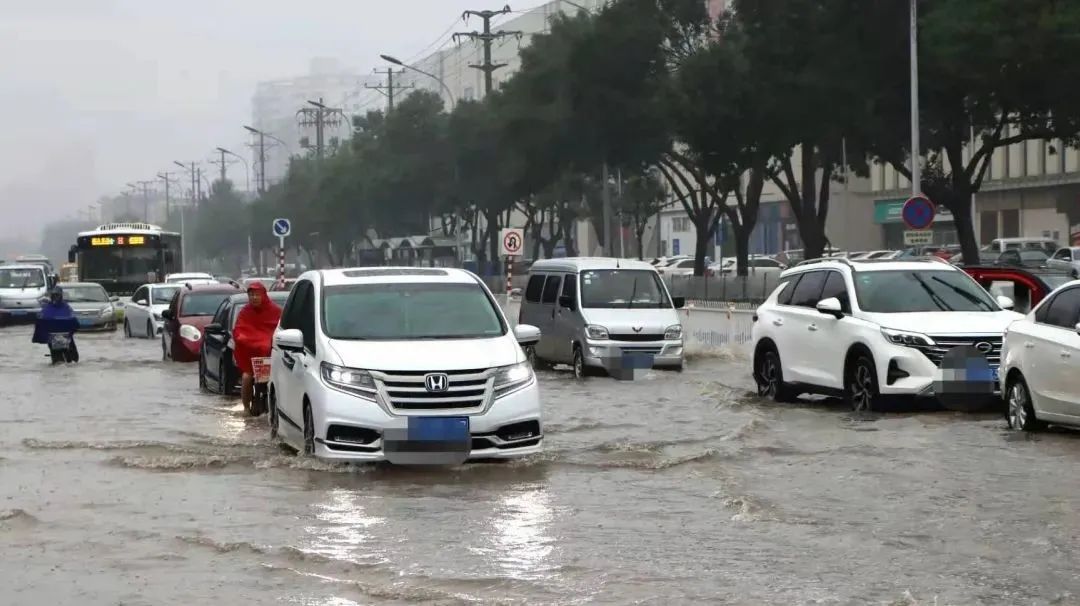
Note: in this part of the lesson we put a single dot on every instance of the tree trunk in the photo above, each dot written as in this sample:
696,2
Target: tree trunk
701,248
959,203
813,237
742,248
492,230
639,232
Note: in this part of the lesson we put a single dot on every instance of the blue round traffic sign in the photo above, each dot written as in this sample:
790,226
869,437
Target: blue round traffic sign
282,227
918,212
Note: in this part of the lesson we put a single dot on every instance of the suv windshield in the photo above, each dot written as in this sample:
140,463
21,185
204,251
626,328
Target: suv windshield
904,291
407,311
85,294
163,294
21,278
202,305
629,288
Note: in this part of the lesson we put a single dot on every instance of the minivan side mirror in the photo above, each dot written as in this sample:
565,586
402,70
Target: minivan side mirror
289,339
213,328
831,307
1077,328
678,302
568,302
167,314
1005,302
526,334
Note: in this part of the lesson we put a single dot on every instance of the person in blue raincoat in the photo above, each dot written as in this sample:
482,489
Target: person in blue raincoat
56,313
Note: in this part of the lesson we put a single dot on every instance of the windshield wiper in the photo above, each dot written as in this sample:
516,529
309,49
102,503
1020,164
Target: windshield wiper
633,291
936,298
963,293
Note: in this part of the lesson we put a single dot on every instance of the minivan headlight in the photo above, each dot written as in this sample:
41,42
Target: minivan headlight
673,332
512,378
598,333
910,339
359,382
190,333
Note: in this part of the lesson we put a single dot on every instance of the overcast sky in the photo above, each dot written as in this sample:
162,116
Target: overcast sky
96,93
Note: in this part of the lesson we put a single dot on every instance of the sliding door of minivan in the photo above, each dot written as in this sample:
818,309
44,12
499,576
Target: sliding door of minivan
545,320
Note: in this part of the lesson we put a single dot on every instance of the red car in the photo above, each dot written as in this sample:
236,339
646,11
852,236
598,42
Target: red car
191,309
1025,286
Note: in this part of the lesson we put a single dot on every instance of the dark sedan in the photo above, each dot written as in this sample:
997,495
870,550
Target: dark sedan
217,371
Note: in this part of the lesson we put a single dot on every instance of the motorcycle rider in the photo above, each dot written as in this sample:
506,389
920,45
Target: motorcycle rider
55,309
253,335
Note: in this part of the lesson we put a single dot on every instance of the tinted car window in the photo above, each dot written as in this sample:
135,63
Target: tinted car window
789,289
808,291
534,288
836,287
1064,310
551,289
569,287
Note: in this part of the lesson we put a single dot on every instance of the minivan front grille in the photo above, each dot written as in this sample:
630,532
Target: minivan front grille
407,390
637,337
943,344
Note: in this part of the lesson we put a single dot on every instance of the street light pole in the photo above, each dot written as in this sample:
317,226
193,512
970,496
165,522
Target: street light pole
247,167
916,156
398,62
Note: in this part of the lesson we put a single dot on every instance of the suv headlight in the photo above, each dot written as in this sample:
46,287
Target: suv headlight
673,332
910,339
358,382
190,333
512,378
595,332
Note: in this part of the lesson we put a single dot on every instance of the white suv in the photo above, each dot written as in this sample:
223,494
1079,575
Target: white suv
871,329
409,365
1039,378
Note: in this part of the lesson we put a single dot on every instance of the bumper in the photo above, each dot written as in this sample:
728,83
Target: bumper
18,313
97,323
369,421
609,354
923,378
185,351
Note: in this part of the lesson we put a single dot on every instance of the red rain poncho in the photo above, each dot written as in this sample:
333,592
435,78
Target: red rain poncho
254,331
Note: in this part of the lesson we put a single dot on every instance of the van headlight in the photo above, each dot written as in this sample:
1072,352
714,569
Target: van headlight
672,333
190,333
909,339
509,379
358,382
597,333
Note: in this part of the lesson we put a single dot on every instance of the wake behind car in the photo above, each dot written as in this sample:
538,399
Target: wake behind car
869,330
409,365
93,307
217,370
190,310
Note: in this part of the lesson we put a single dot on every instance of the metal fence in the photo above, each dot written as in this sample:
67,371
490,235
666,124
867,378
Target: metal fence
751,289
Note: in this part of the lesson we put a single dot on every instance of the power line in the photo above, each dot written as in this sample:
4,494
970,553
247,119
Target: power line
388,90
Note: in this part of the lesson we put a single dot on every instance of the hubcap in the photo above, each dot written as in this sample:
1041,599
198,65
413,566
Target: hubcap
862,388
767,383
1018,417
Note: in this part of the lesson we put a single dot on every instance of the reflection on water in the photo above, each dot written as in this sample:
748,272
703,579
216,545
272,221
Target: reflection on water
521,528
342,533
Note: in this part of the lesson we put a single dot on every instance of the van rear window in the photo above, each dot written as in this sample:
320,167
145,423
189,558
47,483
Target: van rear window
534,288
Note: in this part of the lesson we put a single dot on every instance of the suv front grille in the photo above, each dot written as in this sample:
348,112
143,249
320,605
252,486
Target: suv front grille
943,344
406,390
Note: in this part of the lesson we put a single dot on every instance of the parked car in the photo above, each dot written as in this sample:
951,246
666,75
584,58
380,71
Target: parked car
143,313
756,264
1039,380
595,313
217,370
190,310
410,365
192,278
1023,258
1026,287
1066,259
93,307
868,330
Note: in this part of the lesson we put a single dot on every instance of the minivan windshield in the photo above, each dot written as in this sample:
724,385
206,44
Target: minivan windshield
410,311
14,277
622,288
905,291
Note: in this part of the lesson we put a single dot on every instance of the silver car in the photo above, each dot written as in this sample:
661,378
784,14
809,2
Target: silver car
92,305
1066,259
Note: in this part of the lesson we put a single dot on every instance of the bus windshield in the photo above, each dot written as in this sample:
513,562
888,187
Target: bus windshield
117,264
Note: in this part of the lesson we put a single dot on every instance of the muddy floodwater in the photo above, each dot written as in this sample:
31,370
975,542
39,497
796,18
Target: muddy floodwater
121,484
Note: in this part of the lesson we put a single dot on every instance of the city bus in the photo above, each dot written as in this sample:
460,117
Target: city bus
124,256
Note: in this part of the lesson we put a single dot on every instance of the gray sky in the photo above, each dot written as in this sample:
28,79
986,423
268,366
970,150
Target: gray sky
97,93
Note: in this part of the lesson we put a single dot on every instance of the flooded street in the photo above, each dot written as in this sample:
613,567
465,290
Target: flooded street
121,484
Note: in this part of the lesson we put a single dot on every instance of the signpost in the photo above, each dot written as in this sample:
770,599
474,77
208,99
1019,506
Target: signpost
918,214
512,242
282,228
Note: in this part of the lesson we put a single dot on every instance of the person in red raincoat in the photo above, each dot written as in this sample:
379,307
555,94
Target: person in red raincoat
253,335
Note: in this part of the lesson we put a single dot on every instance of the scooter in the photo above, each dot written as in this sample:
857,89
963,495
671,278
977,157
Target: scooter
59,335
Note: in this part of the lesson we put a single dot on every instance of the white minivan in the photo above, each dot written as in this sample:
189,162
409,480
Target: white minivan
601,313
407,365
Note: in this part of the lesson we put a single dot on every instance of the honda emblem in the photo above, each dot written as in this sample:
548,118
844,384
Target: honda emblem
436,382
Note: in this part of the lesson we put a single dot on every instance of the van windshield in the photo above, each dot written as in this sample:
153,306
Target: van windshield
410,311
622,288
22,278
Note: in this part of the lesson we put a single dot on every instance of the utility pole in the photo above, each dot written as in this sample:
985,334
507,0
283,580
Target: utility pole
167,178
262,157
223,173
320,116
389,89
487,37
196,180
145,187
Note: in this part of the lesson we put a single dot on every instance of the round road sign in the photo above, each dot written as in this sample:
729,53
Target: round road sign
282,227
918,212
512,242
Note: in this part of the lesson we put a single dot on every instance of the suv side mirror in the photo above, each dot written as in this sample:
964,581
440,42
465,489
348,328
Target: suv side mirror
678,302
290,339
831,307
1005,302
568,302
526,334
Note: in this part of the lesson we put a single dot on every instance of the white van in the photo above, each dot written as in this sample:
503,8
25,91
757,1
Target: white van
408,365
1000,245
22,287
601,313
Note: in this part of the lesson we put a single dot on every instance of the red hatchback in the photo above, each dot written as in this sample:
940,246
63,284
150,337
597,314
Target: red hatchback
191,309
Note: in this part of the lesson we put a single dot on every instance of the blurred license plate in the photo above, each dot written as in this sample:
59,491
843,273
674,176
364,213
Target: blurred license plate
261,369
996,375
19,312
637,361
439,429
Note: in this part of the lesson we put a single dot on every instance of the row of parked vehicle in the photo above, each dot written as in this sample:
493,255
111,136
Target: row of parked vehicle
871,331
